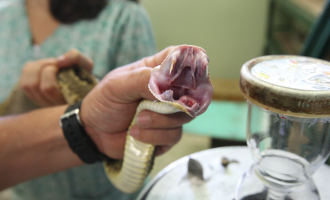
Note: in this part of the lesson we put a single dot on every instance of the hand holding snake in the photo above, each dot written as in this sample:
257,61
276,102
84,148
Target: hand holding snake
181,80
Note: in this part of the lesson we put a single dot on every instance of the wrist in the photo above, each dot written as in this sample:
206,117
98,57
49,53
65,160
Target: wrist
78,139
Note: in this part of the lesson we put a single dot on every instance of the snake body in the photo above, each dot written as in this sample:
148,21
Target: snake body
181,84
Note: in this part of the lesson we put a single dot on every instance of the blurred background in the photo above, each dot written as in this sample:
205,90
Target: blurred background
232,32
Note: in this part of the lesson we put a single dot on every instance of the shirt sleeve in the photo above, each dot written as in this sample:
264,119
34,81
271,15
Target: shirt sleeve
135,38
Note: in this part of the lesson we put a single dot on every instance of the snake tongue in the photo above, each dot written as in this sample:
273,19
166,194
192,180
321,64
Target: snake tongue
183,79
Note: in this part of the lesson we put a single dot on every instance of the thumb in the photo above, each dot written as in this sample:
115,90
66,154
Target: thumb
74,57
127,85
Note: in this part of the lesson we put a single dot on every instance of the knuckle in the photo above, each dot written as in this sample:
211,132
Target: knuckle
28,86
50,70
143,77
145,136
48,89
149,136
24,86
145,70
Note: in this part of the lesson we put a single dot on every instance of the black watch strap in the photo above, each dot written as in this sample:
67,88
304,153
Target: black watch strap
78,139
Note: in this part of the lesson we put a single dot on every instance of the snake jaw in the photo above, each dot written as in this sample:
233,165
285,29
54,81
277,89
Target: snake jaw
183,80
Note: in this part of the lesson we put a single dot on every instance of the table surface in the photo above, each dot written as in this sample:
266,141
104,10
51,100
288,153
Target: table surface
174,182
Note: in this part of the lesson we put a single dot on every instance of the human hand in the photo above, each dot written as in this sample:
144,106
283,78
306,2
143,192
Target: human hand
39,78
109,108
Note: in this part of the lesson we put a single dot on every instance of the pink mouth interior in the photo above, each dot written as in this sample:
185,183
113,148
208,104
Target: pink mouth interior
188,83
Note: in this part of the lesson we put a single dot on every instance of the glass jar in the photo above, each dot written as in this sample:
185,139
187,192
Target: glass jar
288,130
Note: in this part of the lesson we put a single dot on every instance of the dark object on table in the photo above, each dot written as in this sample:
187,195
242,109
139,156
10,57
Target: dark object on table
216,142
195,168
260,196
225,161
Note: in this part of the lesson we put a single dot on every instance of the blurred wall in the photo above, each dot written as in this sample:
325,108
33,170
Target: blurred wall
231,31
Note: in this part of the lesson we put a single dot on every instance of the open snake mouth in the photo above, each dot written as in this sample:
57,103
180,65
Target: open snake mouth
183,78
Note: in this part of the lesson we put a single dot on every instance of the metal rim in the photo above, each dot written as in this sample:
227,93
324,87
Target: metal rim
280,99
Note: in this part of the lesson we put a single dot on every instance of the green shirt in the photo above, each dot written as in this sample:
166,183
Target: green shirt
121,34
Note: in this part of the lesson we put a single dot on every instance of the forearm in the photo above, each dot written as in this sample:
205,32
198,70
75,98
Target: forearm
32,145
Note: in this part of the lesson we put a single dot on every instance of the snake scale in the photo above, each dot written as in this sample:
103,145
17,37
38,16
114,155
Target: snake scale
181,84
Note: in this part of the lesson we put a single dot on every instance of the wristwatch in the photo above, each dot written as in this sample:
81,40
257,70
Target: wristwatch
79,141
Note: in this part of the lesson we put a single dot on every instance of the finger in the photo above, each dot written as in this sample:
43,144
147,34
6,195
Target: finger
30,81
157,136
135,76
31,70
150,61
112,145
49,87
74,57
128,85
36,97
149,119
44,62
157,59
159,150
143,83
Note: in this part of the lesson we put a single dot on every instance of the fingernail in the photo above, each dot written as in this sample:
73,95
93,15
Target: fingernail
60,60
61,57
134,131
143,120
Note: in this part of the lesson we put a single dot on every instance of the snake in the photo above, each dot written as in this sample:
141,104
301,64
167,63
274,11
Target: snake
180,84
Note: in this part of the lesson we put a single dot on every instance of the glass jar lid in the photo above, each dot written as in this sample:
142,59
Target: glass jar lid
291,85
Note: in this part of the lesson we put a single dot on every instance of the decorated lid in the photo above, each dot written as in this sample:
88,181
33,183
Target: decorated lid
291,85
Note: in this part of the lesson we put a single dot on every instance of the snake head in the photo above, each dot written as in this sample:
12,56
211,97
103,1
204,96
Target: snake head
182,80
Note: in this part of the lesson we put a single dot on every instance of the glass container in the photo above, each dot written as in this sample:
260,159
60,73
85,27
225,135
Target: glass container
288,129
